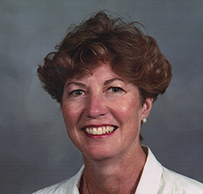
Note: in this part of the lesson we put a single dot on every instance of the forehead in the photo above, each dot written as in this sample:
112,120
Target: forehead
101,70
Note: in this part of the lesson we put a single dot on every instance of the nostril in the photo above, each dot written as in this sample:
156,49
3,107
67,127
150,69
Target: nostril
95,115
96,108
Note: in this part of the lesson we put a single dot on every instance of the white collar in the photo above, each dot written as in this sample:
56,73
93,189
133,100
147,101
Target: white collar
149,181
151,175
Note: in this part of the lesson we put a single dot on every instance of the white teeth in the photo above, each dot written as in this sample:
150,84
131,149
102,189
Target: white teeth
100,130
94,131
87,130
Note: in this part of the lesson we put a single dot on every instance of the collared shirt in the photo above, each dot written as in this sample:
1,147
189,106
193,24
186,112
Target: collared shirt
155,179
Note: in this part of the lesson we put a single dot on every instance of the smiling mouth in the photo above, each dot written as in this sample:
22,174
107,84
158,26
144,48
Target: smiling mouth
99,130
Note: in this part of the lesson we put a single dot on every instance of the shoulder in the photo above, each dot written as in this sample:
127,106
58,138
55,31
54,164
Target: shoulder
66,186
179,184
157,179
60,187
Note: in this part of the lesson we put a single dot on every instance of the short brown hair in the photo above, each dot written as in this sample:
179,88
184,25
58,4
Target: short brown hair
132,55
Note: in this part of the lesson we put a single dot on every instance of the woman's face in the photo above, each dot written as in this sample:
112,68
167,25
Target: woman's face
102,114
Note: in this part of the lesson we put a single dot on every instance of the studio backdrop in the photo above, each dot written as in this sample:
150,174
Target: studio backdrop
35,150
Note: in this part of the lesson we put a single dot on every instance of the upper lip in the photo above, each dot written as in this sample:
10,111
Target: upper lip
97,126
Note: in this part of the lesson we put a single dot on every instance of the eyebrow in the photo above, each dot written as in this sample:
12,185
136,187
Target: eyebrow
112,80
76,83
105,83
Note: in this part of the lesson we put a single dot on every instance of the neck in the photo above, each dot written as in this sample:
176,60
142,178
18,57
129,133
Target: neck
120,174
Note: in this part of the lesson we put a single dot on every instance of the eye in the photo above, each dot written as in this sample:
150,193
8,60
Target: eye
76,93
116,89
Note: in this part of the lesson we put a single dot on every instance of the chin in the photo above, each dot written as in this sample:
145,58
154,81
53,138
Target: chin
98,155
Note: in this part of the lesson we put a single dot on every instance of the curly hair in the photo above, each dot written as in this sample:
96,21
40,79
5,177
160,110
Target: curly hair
132,55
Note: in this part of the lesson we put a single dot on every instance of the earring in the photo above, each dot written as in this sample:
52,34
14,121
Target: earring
144,120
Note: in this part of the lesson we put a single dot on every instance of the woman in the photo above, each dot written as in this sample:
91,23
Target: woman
106,74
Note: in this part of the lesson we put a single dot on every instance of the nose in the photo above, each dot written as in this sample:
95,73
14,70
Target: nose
96,106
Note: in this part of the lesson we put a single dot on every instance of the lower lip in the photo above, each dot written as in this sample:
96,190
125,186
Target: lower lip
99,136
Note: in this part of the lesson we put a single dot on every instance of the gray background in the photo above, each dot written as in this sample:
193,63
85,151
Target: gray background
34,148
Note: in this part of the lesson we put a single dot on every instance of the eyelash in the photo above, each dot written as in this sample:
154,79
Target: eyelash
116,89
76,92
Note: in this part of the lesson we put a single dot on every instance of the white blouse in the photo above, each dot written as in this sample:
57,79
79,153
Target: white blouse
155,179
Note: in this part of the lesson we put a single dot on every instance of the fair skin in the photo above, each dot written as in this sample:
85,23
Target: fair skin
103,114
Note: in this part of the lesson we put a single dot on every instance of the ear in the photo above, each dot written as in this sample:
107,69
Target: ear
146,108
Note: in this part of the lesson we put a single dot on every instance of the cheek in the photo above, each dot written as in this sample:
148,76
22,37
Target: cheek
127,107
70,115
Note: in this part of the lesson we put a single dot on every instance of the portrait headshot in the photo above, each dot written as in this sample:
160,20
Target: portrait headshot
101,97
